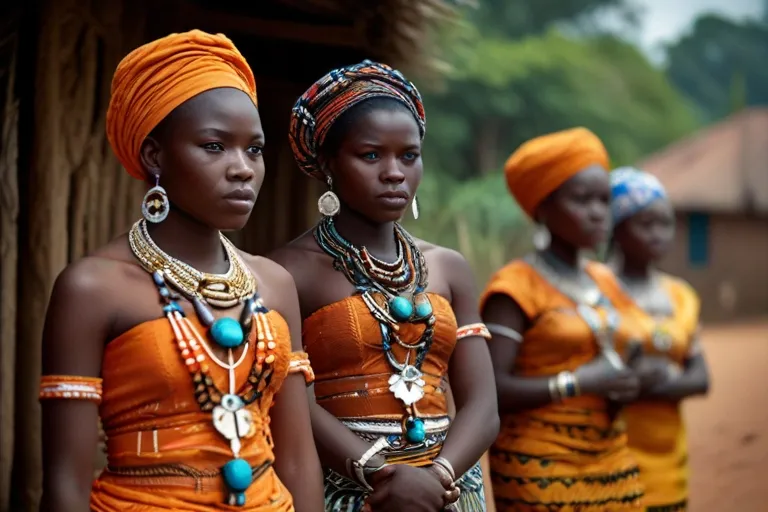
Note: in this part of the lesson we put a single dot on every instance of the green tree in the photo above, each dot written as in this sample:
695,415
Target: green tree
719,59
503,92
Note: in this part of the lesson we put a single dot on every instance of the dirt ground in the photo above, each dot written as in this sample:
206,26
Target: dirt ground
728,430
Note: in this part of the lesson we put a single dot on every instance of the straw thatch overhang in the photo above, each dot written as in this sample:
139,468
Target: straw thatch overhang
62,193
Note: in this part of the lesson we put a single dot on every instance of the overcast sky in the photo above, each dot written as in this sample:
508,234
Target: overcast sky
666,20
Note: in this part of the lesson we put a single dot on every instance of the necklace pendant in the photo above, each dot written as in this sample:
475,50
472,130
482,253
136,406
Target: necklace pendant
227,332
423,306
408,385
238,476
401,308
232,420
415,432
661,340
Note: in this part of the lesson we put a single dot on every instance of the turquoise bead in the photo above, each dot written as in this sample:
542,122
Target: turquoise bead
401,308
414,431
237,475
424,309
240,499
227,332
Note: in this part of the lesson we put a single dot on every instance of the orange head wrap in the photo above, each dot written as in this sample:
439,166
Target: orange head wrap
156,78
541,165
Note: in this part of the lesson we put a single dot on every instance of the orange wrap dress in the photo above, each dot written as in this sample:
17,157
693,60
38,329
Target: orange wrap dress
569,456
655,429
344,344
163,451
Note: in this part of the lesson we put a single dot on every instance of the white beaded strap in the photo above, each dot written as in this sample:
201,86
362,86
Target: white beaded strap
504,331
471,330
359,465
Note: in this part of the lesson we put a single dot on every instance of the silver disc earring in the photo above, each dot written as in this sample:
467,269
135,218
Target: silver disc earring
155,205
541,237
415,207
329,204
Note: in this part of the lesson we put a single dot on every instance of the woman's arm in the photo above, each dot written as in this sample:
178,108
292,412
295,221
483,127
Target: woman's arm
470,371
335,443
693,381
76,328
514,392
296,460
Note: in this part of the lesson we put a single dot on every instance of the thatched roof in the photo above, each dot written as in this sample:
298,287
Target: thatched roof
397,29
394,31
722,168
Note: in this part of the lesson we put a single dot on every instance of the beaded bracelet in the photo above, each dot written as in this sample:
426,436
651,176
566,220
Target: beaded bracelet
300,363
468,331
70,387
563,385
357,468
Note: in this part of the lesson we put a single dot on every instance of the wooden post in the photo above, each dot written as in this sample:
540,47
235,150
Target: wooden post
9,211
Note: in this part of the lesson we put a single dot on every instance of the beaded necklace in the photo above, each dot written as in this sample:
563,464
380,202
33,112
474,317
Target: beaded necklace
581,289
394,294
650,296
229,414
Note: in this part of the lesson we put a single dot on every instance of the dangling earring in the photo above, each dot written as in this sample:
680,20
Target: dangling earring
329,204
415,207
541,237
155,206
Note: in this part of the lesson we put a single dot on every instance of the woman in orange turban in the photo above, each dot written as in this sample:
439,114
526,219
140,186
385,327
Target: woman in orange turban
558,376
188,349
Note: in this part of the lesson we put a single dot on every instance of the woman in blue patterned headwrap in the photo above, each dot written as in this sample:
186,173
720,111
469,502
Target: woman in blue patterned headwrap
386,316
663,312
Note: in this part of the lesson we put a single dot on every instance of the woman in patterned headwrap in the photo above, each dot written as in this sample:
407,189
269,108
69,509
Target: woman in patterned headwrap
558,376
386,316
663,313
177,340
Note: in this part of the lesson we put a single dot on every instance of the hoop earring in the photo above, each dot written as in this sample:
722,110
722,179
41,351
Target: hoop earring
415,207
541,237
329,204
155,205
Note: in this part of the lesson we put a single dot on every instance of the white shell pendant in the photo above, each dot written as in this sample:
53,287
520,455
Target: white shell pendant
232,421
407,386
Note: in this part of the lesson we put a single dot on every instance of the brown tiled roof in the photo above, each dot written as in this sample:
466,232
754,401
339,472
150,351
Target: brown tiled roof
724,167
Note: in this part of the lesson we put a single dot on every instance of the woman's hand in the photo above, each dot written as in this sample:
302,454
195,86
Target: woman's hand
652,371
401,487
600,377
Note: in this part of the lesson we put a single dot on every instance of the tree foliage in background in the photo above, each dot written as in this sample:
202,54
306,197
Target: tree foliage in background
721,65
518,70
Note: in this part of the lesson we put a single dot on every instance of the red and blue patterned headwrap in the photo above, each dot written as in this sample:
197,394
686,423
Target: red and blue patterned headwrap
335,93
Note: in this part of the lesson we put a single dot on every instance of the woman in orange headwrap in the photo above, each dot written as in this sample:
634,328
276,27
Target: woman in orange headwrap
558,377
663,313
178,341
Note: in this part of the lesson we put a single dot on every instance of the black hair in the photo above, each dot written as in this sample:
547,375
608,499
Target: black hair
346,121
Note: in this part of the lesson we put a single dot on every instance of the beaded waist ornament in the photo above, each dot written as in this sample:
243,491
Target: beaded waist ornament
229,414
394,293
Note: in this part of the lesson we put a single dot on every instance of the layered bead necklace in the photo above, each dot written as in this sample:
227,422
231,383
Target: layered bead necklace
395,294
230,417
580,288
650,296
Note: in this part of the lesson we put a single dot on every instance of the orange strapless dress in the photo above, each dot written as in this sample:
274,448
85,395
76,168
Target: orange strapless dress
352,375
163,451
656,430
570,456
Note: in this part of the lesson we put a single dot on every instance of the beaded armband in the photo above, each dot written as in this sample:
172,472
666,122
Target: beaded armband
70,387
300,363
468,331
